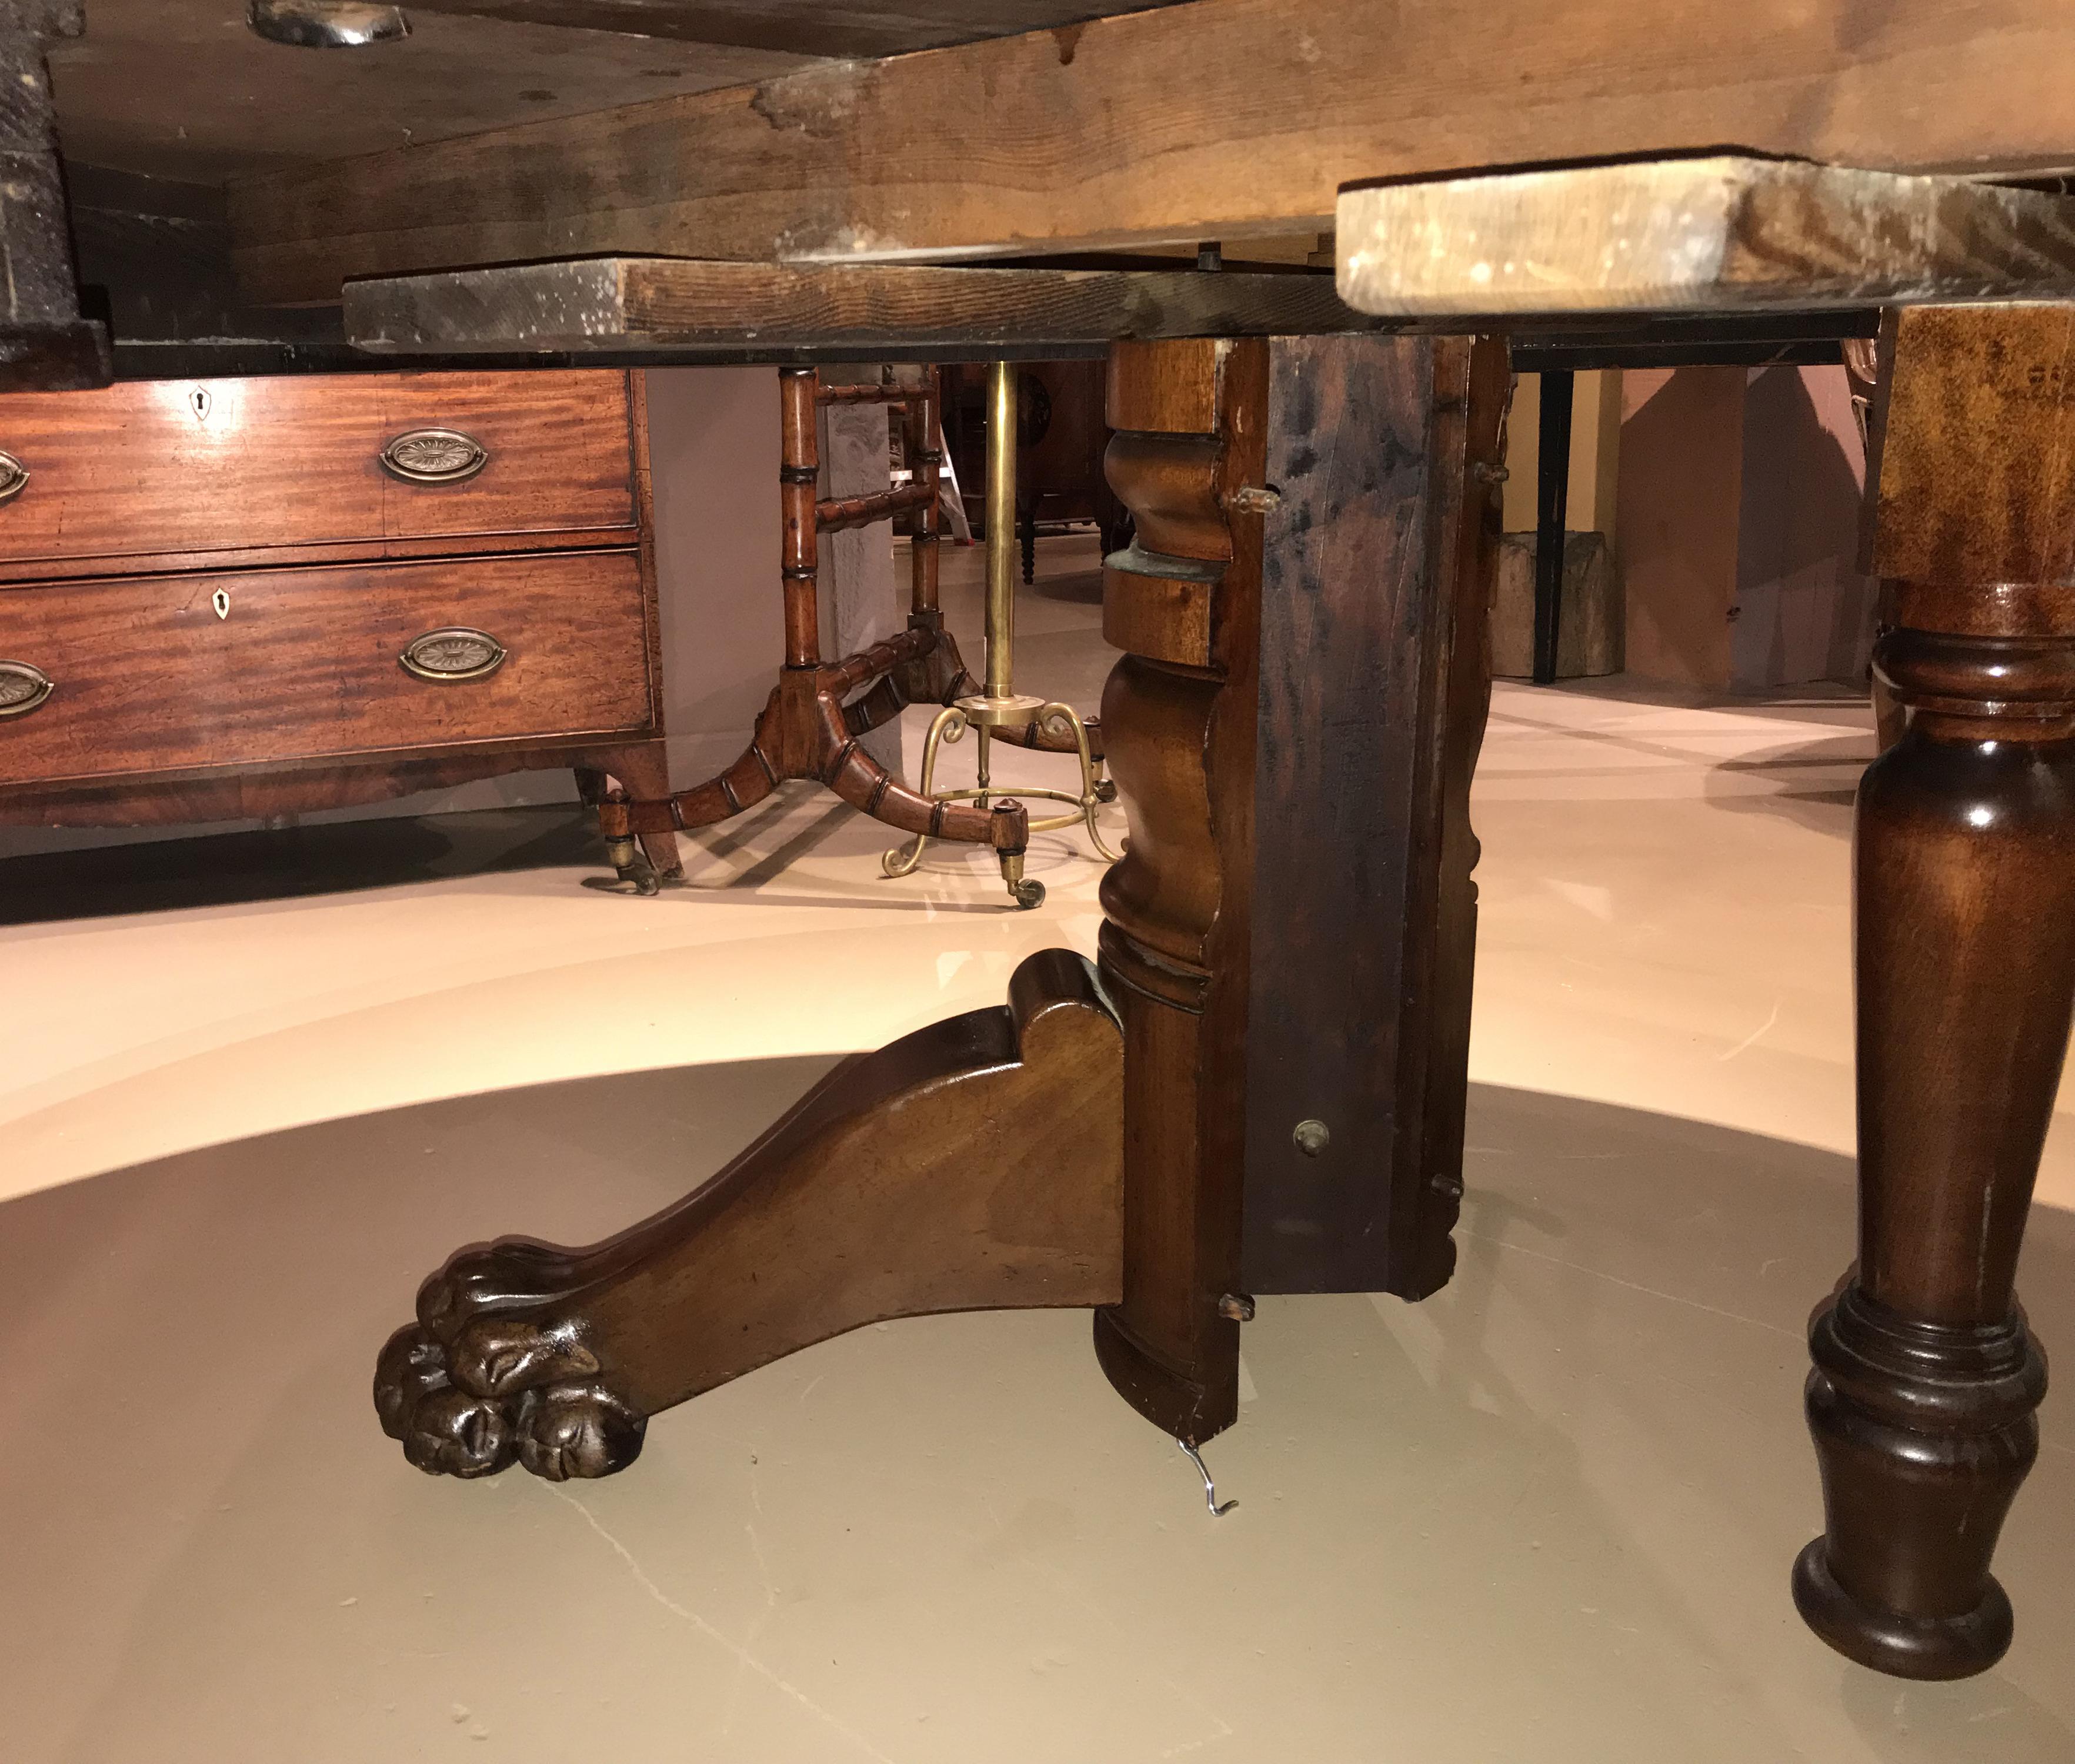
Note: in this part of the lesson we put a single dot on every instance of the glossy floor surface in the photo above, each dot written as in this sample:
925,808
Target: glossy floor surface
1546,1517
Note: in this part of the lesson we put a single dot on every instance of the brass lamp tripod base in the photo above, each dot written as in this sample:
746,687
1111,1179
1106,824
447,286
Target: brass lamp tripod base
1002,707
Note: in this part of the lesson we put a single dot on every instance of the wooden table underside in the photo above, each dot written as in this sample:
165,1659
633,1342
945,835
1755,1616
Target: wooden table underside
1280,587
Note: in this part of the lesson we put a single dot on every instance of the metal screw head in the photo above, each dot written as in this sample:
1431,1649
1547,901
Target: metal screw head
1311,1137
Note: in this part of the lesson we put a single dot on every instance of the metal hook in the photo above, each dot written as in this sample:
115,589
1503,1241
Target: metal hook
1210,1488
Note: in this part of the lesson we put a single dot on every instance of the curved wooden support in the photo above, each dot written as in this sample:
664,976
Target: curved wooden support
1042,739
804,731
1925,1378
975,1165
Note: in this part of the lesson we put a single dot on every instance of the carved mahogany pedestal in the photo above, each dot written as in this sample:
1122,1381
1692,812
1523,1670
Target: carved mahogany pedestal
1926,1379
913,1179
1265,1082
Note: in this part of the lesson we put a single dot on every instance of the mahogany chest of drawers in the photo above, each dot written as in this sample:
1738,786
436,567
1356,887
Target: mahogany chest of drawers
229,598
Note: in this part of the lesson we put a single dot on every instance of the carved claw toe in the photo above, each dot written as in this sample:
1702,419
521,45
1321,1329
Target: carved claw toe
445,1431
508,1275
577,1430
501,1356
469,1393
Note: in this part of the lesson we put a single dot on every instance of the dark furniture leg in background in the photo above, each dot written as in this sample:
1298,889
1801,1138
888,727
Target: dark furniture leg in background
1926,1379
1552,492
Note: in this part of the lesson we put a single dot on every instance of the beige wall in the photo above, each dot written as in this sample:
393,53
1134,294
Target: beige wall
1596,419
1680,484
713,453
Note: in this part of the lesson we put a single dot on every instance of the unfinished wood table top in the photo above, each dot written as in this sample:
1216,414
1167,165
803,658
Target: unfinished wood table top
614,305
1721,234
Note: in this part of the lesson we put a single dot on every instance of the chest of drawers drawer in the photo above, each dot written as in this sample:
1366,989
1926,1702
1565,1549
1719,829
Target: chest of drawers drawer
269,667
165,474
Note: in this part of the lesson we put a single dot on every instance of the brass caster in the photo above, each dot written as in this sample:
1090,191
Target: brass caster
1105,790
635,874
1028,893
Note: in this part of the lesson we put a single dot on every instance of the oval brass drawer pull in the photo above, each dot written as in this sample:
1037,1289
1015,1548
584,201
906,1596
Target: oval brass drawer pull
13,477
434,456
22,688
456,653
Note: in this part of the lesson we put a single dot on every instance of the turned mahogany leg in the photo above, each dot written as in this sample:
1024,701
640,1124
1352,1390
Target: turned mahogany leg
1925,1378
974,1165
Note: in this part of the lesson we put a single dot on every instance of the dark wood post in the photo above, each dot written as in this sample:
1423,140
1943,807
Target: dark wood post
799,472
1926,1379
1293,726
1552,495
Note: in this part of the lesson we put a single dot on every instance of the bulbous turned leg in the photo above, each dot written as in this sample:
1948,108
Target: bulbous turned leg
977,1163
1926,1380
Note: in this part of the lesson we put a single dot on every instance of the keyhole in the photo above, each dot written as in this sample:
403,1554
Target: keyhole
198,401
222,602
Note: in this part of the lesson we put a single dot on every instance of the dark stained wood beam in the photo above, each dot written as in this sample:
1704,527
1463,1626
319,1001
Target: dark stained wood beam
1714,234
611,305
1221,119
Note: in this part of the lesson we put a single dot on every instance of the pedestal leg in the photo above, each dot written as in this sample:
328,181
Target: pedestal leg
1925,1378
973,1165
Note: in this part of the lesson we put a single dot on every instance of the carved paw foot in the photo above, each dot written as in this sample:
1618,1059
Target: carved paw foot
476,1384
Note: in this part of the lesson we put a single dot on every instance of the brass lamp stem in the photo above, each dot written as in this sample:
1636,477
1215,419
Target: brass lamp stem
1000,529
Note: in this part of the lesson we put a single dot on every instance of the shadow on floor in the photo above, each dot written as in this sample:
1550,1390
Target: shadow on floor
197,1472
228,869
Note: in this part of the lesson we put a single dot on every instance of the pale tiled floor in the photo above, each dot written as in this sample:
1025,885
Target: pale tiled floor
1545,1517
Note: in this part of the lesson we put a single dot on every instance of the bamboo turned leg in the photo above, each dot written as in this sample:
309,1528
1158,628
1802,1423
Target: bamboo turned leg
1926,1379
974,1165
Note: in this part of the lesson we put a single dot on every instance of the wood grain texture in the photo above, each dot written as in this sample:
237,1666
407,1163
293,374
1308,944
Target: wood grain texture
304,665
2003,388
1149,610
1723,233
678,304
1925,1378
1174,489
1178,908
1222,119
976,1164
237,470
1377,575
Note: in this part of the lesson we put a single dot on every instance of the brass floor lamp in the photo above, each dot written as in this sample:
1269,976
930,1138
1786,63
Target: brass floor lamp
1000,705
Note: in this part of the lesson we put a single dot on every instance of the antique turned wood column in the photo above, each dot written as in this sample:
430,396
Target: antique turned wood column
1925,1378
1289,934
